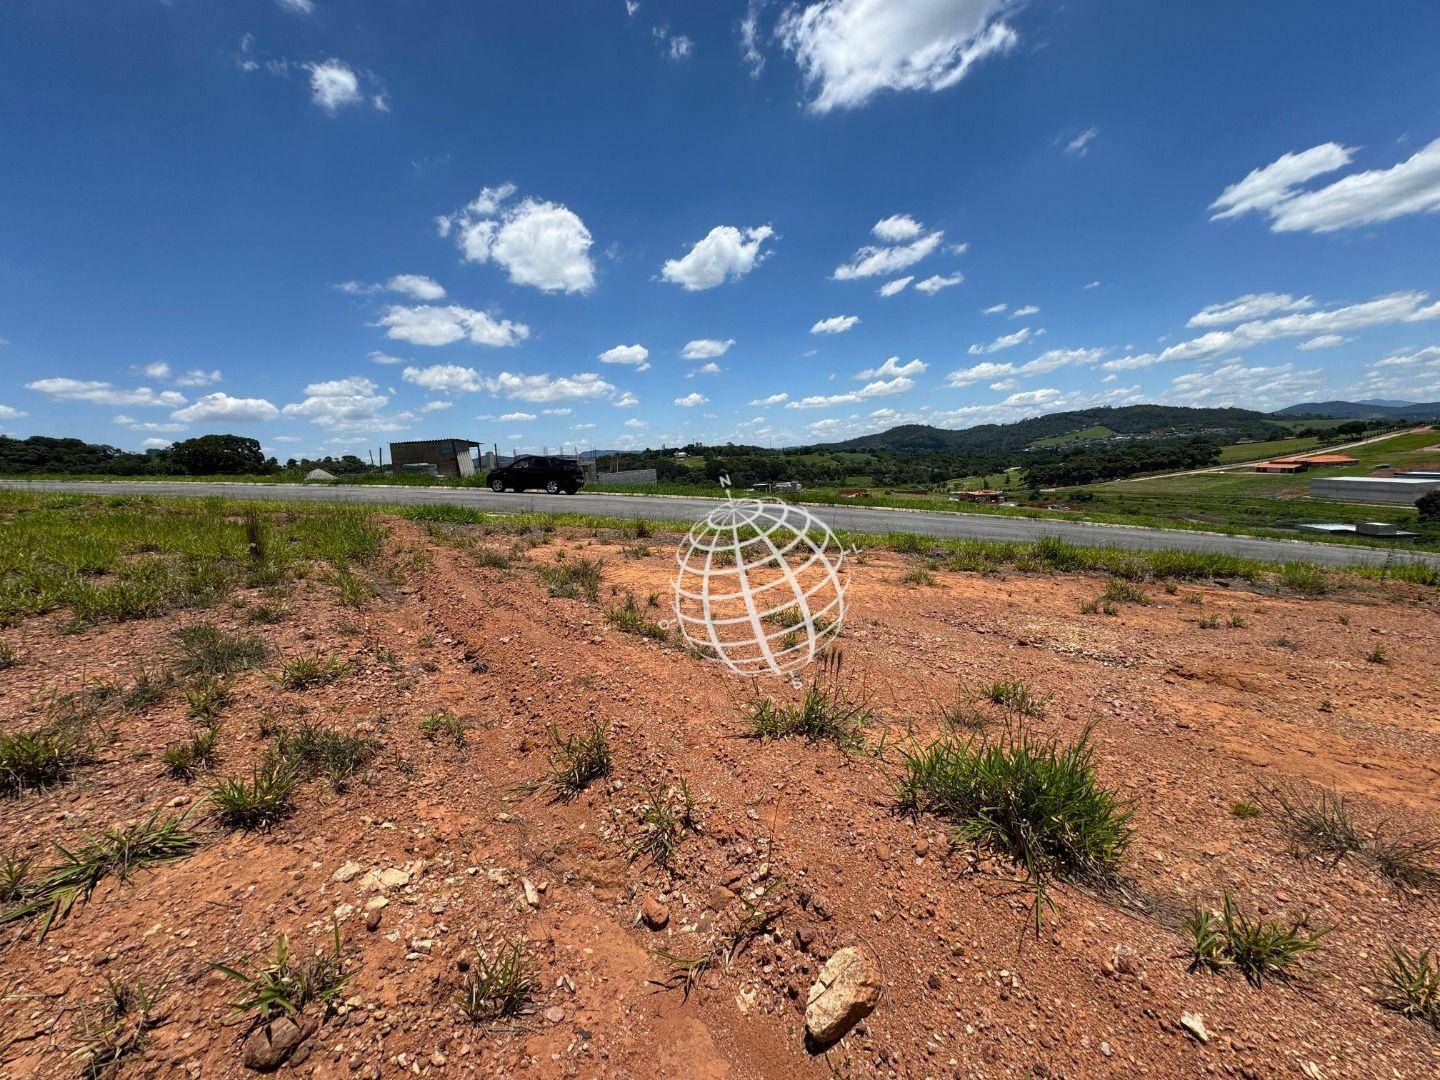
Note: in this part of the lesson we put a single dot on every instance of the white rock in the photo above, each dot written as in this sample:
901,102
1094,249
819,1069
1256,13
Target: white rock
847,990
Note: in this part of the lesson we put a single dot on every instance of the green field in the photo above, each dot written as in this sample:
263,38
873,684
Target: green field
1254,451
1098,431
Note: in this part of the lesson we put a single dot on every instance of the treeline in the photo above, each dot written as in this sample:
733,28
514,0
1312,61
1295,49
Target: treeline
206,455
1091,465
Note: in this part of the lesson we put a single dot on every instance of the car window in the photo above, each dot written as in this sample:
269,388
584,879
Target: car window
522,463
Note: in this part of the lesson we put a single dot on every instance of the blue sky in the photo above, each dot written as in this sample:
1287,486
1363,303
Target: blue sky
332,223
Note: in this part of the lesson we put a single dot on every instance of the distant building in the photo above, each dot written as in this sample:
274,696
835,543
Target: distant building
1385,490
1317,461
448,457
985,495
1279,467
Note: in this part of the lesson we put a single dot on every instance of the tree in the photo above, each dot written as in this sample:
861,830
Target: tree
1429,506
218,454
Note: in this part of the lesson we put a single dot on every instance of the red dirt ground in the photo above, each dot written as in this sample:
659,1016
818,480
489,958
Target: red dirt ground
1186,722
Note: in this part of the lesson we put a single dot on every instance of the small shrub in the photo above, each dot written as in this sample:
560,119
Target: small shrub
116,852
1378,655
1017,696
283,985
501,987
354,591
1209,622
640,529
1097,606
578,759
117,1026
443,723
573,577
311,669
1403,858
208,697
1412,984
8,656
184,759
918,576
262,801
1317,821
629,618
1039,803
1283,642
1118,591
664,820
491,557
207,650
313,750
1304,578
1344,620
267,612
14,873
1258,948
826,713
1237,622
33,760
147,690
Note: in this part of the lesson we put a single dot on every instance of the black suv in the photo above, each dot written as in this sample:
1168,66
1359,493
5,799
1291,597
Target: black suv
551,473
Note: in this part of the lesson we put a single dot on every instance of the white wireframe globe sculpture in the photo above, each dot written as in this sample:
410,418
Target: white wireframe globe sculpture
759,588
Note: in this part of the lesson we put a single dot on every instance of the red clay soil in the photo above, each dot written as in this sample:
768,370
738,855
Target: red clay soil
1186,722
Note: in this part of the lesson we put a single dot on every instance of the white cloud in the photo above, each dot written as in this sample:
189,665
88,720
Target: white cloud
890,288
849,50
199,377
1050,360
444,378
158,370
221,407
352,404
1324,341
1234,384
1427,357
680,47
750,38
631,7
1004,341
893,367
8,412
1005,384
416,286
543,244
711,368
103,393
1363,198
634,422
878,388
517,416
626,400
424,325
706,348
1021,312
933,284
1043,396
726,253
1081,143
333,85
1092,285
385,358
872,259
146,425
897,228
1249,306
627,354
773,399
544,388
1404,307
436,406
1266,188
566,411
689,401
994,309
836,324
300,7
156,443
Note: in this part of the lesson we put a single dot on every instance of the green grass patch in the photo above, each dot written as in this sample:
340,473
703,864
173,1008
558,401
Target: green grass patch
1258,948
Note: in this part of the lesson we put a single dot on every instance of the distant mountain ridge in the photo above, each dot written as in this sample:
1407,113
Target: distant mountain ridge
1365,410
1132,420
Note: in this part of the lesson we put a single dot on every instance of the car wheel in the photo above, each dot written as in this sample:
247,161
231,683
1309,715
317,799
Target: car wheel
571,490
552,487
497,486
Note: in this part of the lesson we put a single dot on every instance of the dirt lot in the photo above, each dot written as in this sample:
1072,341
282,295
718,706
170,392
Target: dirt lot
1191,715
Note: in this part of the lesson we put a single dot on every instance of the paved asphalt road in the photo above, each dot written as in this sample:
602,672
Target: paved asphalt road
862,519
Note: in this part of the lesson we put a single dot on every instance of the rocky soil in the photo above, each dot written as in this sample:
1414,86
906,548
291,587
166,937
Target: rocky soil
438,854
